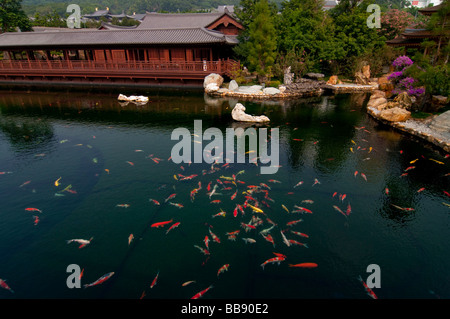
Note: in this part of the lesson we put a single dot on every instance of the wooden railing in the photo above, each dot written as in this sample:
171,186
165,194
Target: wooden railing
110,68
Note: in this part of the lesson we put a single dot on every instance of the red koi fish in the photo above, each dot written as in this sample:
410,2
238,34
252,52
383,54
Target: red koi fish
421,189
173,226
101,280
349,210
160,224
154,201
247,227
216,201
294,222
294,242
201,293
269,238
339,210
170,197
409,168
214,237
206,241
368,290
36,220
131,163
364,176
234,195
203,250
304,265
302,209
408,209
300,234
235,212
386,190
154,280
223,269
279,255
273,260
447,193
4,285
32,209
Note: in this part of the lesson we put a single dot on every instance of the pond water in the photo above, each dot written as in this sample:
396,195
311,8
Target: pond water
90,167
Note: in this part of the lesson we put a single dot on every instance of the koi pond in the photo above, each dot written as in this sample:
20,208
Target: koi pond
88,188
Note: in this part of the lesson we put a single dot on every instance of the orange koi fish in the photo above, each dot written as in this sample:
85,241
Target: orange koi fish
101,280
4,285
273,260
409,168
274,181
368,290
187,283
285,208
421,189
26,183
154,280
154,201
356,173
173,226
216,201
304,265
223,269
130,239
201,293
160,224
131,163
386,190
32,209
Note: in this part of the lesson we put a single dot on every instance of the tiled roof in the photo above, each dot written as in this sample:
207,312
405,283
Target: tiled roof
113,37
178,20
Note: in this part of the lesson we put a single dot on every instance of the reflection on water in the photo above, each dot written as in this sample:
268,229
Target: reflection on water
332,155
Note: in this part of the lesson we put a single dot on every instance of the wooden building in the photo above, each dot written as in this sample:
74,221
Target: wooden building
165,49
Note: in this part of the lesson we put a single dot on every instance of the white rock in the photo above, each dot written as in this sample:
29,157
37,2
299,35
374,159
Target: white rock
271,91
238,114
233,86
133,98
213,78
211,87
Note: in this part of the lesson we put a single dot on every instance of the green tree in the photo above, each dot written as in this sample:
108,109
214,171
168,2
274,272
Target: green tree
262,42
304,27
12,16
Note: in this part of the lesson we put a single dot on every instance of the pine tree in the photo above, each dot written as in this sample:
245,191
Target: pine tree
262,42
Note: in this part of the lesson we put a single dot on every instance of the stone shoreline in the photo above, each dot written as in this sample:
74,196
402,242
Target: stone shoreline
417,128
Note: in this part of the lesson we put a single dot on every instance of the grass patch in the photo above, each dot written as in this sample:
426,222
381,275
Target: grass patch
420,115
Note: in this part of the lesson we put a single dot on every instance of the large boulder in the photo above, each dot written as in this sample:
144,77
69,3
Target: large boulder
211,87
333,80
404,100
395,114
233,86
271,91
361,79
238,114
213,78
376,102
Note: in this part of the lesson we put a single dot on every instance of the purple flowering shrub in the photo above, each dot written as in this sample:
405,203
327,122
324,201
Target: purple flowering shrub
402,83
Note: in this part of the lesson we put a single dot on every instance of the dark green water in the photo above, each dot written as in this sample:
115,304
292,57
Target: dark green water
87,140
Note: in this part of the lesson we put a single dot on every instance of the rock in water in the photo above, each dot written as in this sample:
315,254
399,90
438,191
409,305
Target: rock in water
395,114
213,78
239,114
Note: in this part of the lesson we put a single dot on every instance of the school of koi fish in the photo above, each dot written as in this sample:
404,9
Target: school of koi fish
258,218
